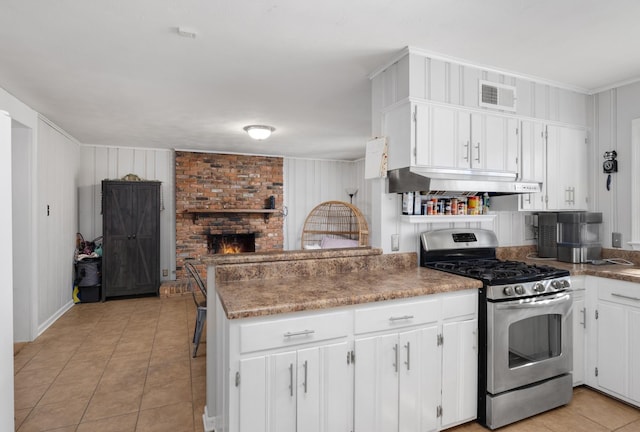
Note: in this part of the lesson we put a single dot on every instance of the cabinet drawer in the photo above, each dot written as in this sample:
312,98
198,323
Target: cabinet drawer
389,317
621,292
460,305
293,331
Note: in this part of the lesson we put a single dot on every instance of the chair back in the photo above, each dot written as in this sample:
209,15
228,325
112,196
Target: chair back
193,272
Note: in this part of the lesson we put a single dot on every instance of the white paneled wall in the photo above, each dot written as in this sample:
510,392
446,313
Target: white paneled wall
614,111
57,159
99,163
308,183
439,80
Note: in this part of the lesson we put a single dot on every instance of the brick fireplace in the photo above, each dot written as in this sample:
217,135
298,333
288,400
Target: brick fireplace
219,182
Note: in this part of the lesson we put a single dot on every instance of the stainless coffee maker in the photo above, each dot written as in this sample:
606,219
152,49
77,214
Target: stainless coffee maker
579,237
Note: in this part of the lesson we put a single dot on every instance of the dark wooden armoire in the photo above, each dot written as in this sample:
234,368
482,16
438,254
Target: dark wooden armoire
131,238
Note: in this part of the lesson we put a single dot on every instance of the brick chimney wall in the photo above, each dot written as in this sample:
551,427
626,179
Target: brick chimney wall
223,181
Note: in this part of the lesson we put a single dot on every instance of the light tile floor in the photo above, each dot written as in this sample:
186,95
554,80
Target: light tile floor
126,366
118,366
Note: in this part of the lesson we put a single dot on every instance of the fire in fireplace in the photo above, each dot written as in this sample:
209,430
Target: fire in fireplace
231,243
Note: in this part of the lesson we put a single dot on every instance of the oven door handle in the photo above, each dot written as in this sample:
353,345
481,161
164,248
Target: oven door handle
534,302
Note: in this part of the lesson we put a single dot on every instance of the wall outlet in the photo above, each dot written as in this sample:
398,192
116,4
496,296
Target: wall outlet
616,240
395,242
165,272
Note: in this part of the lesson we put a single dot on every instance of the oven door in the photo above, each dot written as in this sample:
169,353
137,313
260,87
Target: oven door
528,340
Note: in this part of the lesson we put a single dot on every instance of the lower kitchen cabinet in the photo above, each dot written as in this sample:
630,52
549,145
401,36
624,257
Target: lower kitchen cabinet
399,365
397,381
301,390
614,363
422,377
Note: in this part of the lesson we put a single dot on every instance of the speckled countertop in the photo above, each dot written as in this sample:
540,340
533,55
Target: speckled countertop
274,283
273,296
328,279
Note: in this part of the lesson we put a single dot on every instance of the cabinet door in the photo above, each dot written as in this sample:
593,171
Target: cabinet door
253,395
579,317
566,168
376,384
494,143
283,383
336,389
118,247
442,137
419,380
459,372
533,163
612,348
144,232
308,390
634,355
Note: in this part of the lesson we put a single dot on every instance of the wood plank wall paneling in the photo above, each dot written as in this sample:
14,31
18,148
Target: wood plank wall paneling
99,163
57,161
308,183
614,111
448,82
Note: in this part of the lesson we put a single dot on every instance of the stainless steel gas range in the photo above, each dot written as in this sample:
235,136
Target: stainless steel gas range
525,325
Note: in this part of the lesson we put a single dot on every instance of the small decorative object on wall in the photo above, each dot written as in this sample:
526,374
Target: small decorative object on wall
610,165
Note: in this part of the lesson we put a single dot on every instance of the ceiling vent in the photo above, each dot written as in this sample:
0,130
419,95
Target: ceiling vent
497,96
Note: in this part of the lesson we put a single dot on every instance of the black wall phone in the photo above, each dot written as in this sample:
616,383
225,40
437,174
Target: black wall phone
610,165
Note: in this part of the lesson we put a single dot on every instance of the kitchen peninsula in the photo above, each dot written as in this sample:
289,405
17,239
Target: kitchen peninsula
322,340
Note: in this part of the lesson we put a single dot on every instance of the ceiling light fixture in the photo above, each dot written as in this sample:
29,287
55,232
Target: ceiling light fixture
259,132
186,32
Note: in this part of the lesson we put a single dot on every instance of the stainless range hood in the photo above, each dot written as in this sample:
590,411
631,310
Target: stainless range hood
453,182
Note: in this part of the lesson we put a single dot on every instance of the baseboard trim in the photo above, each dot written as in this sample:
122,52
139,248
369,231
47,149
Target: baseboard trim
53,318
208,422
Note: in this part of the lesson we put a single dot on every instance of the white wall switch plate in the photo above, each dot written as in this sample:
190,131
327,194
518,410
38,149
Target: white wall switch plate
616,240
395,242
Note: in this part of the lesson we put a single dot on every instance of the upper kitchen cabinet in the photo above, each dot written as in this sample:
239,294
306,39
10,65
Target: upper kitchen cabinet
557,157
533,164
442,136
440,112
566,168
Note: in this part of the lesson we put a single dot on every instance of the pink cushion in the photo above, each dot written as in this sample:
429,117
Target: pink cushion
334,243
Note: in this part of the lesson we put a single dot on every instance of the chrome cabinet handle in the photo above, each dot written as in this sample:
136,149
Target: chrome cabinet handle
408,362
291,379
467,151
400,318
306,367
395,364
478,148
584,317
299,333
626,297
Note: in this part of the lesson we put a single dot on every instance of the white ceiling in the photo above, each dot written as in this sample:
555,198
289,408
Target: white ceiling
116,72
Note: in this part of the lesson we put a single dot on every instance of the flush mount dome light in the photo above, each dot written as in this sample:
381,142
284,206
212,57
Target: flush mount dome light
259,132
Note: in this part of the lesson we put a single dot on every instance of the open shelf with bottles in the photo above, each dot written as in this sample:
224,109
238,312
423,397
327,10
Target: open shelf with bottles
447,218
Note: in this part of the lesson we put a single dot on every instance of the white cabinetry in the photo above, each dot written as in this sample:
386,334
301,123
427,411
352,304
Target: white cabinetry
616,363
534,163
557,157
447,137
401,365
416,365
566,168
292,374
301,390
579,329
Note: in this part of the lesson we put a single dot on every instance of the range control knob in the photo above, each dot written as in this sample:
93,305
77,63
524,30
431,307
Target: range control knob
538,287
566,283
556,284
508,291
520,290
